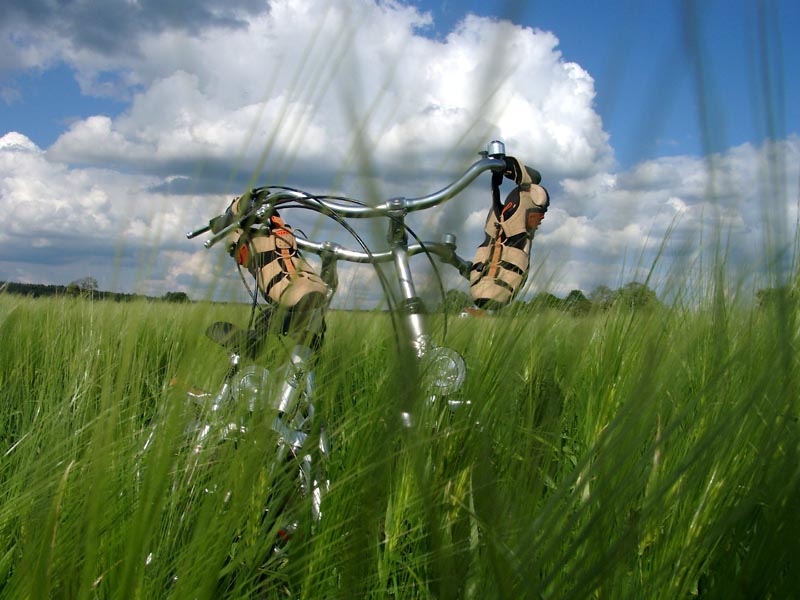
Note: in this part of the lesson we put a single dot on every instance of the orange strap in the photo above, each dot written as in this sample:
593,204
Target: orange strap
286,255
242,255
494,263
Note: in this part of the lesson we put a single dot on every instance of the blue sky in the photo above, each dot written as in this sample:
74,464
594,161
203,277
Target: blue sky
638,54
623,45
146,116
42,102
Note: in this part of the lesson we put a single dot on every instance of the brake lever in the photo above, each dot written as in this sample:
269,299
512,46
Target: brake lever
215,225
258,213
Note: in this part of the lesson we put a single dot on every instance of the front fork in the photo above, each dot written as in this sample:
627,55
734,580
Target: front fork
289,393
294,422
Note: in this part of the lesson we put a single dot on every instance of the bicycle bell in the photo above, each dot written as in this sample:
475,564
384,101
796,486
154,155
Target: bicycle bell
496,149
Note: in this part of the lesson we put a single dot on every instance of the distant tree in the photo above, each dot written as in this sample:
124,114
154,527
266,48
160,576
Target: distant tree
576,303
84,286
636,295
87,284
602,297
176,297
454,302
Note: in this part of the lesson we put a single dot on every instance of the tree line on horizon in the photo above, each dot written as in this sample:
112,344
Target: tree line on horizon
86,287
633,295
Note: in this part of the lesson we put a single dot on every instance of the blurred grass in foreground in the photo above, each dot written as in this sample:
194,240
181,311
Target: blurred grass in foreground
649,454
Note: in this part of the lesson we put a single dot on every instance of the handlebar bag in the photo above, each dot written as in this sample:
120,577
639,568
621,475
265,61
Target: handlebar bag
501,262
272,257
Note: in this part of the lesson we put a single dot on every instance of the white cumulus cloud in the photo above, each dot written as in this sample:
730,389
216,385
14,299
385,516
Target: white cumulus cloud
352,97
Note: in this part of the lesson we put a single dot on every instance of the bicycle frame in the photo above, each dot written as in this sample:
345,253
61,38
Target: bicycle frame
293,395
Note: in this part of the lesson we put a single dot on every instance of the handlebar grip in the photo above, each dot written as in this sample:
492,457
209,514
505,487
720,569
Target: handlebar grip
220,222
196,232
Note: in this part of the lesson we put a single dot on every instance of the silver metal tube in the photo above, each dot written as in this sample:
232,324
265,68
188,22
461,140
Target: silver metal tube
413,320
350,211
485,164
342,253
404,276
293,373
357,256
410,204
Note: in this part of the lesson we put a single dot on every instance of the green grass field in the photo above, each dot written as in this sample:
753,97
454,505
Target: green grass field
615,455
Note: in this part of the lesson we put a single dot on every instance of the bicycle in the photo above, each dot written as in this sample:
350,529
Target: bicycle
290,390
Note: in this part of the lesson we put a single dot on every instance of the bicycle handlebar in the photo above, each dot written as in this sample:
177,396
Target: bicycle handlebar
272,199
395,204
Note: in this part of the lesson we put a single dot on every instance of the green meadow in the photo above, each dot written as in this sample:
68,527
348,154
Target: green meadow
619,454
